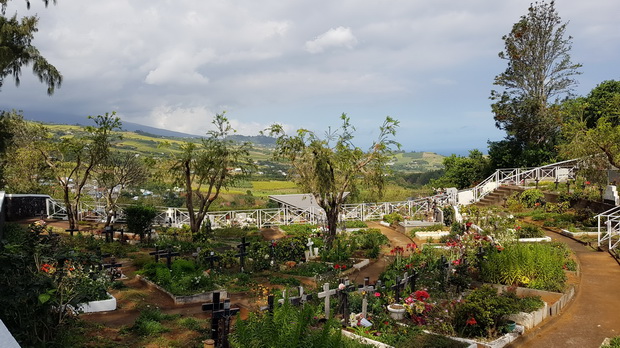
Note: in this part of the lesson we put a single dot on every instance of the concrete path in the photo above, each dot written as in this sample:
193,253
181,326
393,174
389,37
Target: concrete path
594,313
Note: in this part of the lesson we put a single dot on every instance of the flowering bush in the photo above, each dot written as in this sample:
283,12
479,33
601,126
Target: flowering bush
418,306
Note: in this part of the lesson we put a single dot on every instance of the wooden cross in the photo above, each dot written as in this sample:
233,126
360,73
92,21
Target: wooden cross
113,268
326,293
215,304
343,306
242,252
109,234
71,230
397,287
169,255
156,253
219,333
211,259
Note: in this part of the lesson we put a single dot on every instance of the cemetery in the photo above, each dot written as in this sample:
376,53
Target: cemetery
488,278
118,238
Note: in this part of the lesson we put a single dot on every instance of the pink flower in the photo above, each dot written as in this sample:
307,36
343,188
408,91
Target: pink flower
377,294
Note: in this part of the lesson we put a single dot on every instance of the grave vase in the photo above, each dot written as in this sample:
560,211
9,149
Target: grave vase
397,311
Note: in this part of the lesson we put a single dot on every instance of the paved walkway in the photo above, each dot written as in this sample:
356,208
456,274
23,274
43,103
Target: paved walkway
594,313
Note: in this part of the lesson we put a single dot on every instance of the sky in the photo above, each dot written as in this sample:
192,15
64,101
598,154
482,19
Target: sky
300,63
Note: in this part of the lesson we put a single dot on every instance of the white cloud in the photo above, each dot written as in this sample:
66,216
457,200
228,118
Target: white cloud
338,37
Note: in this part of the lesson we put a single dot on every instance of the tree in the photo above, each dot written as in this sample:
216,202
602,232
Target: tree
601,102
205,169
16,50
464,172
598,146
114,174
21,168
329,168
73,159
539,72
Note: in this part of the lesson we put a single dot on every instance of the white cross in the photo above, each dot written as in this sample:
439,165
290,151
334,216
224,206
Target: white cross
327,292
310,244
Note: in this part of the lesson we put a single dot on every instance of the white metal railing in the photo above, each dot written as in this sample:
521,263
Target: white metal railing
609,227
285,215
558,172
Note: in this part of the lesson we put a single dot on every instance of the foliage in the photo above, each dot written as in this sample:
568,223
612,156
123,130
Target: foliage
339,252
355,224
329,168
148,323
286,281
204,170
464,172
370,240
288,326
184,277
614,342
393,218
530,231
309,269
42,278
482,313
532,198
533,265
539,69
17,51
140,218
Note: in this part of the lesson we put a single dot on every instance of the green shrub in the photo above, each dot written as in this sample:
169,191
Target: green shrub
286,281
532,198
530,231
139,218
613,343
355,224
393,218
482,311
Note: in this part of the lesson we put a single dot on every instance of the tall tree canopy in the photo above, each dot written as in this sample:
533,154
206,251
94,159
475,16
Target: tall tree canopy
464,172
539,73
17,51
205,169
331,166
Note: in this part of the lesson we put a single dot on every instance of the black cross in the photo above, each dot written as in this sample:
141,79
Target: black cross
71,230
113,268
109,234
270,304
242,252
122,234
169,254
211,259
413,279
219,333
215,304
343,306
157,253
397,287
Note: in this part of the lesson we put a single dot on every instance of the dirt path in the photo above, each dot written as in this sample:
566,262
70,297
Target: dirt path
375,269
594,313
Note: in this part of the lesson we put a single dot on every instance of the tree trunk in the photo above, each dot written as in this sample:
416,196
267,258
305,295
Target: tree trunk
332,226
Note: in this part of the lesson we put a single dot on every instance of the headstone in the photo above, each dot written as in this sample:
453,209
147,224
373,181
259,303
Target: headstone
326,293
270,304
114,269
220,324
211,259
242,253
310,249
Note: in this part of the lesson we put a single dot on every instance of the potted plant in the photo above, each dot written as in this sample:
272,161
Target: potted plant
397,311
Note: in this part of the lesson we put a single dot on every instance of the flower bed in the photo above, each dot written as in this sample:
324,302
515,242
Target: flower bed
196,298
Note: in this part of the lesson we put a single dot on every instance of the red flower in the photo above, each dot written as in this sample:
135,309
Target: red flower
456,262
471,321
377,294
46,267
343,267
587,183
499,247
336,266
421,295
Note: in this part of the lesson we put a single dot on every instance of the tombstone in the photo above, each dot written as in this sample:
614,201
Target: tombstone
272,251
211,259
343,292
365,289
113,269
326,293
220,324
109,234
242,253
215,304
169,254
156,253
397,287
438,215
310,249
71,230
